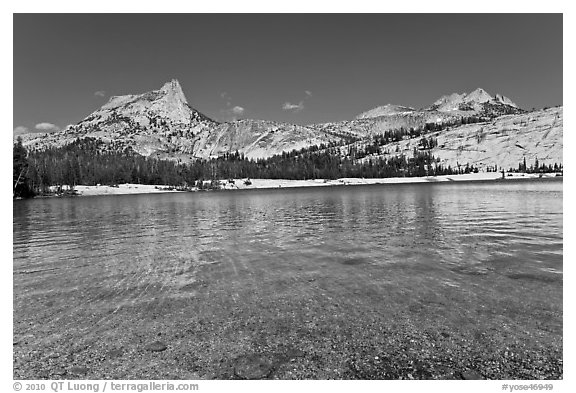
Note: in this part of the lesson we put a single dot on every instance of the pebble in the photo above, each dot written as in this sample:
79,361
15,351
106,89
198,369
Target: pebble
156,346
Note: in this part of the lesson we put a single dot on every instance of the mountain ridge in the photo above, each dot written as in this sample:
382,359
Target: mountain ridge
161,124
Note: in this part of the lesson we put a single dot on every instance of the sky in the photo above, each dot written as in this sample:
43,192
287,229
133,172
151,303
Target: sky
296,68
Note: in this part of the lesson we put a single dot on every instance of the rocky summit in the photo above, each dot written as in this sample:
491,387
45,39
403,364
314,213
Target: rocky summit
475,101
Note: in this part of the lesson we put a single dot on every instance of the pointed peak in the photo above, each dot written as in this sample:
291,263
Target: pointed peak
505,100
479,95
171,85
173,88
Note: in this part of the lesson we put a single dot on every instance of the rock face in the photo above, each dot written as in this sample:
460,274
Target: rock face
385,110
449,103
259,138
161,124
169,103
504,141
505,100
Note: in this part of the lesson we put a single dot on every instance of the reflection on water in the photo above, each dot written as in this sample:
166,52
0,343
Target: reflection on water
490,229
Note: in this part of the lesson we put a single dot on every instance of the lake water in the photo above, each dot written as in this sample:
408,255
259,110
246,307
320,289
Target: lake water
345,282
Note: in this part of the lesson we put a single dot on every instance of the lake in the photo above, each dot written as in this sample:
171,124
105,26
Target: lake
421,281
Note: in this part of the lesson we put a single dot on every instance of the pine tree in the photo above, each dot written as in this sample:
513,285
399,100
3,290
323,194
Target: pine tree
524,165
20,171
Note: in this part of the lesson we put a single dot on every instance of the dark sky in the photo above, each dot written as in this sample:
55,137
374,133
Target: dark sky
348,62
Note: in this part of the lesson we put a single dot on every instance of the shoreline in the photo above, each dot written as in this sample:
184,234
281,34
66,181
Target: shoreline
238,184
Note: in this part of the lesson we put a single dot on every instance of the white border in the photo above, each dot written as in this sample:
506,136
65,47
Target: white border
307,6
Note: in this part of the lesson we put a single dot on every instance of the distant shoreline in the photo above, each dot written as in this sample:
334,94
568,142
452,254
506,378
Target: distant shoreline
256,184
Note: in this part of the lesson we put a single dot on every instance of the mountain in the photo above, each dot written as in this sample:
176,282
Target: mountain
463,104
162,124
169,103
447,110
475,101
167,106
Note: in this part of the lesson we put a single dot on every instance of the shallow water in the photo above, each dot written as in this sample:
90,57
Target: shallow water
472,259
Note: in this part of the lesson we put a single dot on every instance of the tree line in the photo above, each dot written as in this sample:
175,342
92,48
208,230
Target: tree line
87,162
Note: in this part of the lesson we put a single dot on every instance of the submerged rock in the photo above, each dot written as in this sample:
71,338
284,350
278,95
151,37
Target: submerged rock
254,366
115,353
354,261
79,370
59,371
156,346
44,374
